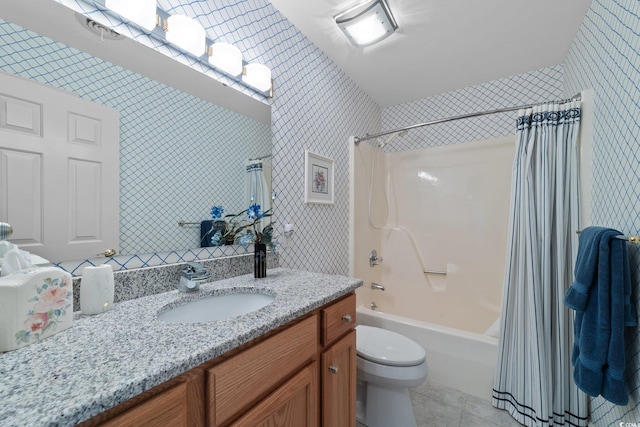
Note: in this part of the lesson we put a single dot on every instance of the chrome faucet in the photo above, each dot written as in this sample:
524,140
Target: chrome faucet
376,286
191,276
374,259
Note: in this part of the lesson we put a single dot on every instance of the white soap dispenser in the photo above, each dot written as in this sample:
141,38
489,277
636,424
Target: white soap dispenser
96,289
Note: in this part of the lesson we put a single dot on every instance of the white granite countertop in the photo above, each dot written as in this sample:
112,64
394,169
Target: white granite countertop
106,359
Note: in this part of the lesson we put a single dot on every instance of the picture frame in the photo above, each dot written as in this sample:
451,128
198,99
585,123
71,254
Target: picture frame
318,179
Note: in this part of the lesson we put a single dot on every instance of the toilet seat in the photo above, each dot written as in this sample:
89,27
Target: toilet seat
387,347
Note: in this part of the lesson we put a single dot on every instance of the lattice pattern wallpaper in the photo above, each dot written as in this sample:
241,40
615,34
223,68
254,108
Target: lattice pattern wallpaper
527,88
317,107
605,56
162,131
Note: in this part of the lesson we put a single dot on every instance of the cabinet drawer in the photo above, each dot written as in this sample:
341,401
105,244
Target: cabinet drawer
338,318
238,382
181,404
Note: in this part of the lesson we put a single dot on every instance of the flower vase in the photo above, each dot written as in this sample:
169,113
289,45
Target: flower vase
260,260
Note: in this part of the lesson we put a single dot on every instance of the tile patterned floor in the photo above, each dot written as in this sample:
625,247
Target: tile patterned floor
439,406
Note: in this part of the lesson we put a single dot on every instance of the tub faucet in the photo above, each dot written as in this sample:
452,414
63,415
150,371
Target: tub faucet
376,286
191,276
373,305
374,259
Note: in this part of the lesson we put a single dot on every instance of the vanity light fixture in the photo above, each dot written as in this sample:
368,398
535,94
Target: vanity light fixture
142,12
189,35
186,33
367,22
226,57
258,76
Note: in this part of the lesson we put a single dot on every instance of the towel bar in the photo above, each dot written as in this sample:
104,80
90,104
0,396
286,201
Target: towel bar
183,223
632,239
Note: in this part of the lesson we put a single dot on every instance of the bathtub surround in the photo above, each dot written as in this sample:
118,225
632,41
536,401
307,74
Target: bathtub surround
434,212
431,214
533,380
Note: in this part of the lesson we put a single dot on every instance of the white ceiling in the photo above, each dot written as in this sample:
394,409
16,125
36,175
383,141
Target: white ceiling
443,45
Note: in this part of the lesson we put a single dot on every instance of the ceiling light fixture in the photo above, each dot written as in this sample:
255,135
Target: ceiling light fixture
367,22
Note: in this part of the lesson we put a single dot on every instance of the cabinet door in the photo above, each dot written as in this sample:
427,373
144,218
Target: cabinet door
339,383
293,404
180,405
235,384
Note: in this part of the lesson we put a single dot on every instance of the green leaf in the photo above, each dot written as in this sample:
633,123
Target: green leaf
22,336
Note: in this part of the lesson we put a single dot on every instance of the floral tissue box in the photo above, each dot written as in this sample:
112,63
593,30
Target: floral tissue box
35,303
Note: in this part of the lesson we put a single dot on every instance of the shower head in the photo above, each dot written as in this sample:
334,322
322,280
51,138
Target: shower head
382,144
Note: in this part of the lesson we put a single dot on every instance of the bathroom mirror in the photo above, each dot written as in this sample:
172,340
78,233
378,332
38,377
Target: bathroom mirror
185,138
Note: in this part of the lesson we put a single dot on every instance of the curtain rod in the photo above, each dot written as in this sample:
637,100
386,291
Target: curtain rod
357,140
261,157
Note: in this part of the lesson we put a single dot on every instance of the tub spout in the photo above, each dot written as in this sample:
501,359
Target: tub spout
376,286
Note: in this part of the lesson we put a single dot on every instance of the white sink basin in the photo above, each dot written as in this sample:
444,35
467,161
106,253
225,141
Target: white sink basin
217,307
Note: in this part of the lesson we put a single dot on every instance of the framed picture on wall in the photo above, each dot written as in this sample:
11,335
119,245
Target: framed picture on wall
318,178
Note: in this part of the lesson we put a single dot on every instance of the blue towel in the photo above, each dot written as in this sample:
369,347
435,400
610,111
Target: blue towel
601,297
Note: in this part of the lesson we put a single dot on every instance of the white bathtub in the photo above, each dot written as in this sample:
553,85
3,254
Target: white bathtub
458,359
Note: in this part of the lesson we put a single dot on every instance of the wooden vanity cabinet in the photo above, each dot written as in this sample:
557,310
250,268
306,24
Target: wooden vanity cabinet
338,363
300,375
339,383
294,403
177,403
238,383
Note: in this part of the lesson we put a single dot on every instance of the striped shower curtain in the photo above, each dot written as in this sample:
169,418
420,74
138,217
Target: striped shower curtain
533,379
257,189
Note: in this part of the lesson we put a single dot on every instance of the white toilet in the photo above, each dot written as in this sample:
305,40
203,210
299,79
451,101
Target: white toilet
387,365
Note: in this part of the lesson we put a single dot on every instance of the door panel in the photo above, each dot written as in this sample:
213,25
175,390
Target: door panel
21,175
59,183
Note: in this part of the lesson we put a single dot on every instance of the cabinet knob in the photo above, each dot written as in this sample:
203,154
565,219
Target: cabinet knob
334,369
346,318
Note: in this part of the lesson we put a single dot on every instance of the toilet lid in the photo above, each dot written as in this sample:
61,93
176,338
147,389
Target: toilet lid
387,347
